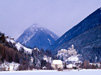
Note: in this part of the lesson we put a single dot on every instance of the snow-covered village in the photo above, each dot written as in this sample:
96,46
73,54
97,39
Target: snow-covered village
35,59
50,37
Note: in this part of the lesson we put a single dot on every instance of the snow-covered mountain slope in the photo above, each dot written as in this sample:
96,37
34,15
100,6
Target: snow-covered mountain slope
12,51
37,36
85,36
19,46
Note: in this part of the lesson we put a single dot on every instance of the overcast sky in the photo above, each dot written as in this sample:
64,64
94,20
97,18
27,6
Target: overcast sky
56,15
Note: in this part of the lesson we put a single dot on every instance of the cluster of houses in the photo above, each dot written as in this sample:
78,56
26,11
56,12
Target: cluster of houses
66,59
69,59
58,64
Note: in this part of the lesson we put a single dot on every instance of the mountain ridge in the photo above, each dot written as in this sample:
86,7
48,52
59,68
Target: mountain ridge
85,36
37,35
69,34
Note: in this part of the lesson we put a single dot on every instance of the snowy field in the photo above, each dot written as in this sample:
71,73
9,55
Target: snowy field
49,72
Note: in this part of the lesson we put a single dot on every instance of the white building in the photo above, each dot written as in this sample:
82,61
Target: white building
57,64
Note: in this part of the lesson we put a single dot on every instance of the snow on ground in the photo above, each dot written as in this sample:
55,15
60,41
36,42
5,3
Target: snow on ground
10,40
27,50
9,66
53,72
18,46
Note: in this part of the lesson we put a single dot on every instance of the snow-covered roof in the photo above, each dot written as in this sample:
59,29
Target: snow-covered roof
56,62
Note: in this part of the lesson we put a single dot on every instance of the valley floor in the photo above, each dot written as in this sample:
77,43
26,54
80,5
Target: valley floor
53,72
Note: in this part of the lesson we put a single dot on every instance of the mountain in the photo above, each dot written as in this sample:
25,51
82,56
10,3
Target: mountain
85,36
37,36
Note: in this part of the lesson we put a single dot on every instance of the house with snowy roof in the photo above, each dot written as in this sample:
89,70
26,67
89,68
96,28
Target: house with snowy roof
57,64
